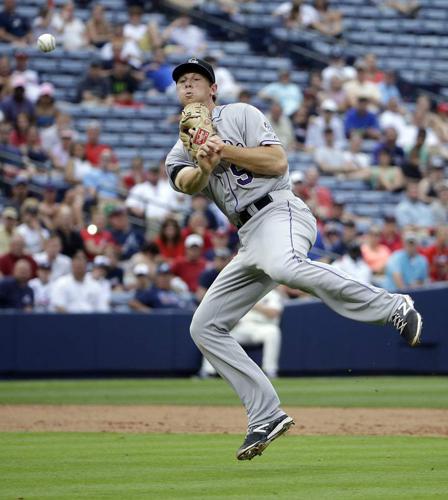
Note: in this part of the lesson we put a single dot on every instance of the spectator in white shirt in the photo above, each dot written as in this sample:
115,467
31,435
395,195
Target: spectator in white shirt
327,118
362,87
153,200
285,92
228,88
354,156
393,117
32,88
76,292
329,158
71,30
282,125
353,264
41,285
101,265
337,68
31,229
60,264
135,28
188,37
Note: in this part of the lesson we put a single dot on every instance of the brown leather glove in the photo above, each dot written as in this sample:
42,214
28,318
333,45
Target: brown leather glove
196,117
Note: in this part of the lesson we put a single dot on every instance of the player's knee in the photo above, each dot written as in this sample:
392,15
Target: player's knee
196,330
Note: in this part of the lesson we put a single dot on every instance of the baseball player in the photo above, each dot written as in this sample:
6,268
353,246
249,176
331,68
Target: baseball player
232,155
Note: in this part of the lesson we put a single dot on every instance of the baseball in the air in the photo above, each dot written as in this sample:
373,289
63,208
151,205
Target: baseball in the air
46,42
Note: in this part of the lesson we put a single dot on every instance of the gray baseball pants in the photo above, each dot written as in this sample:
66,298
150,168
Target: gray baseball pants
274,247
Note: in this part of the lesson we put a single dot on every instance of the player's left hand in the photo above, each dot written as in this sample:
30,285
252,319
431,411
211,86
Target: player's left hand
215,144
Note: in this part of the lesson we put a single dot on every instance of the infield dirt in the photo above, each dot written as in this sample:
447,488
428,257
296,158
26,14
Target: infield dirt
220,419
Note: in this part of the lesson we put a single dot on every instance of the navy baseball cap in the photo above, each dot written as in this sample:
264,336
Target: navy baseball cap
195,65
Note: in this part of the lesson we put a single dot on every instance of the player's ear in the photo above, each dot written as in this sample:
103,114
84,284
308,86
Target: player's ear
213,90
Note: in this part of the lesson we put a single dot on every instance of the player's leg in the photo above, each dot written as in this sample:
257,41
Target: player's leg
285,234
232,295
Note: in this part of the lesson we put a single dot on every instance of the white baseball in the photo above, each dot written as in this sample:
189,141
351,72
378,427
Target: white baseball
46,42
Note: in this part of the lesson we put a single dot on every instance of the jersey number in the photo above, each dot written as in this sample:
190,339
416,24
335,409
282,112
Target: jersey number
243,176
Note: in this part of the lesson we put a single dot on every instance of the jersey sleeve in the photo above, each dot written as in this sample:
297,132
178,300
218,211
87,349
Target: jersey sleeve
258,130
176,160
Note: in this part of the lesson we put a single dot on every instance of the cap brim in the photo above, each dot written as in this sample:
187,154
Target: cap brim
191,68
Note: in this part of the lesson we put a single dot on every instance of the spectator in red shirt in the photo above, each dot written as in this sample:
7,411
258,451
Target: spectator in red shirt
318,198
170,241
190,267
198,224
390,235
95,236
136,174
93,147
437,255
19,134
16,253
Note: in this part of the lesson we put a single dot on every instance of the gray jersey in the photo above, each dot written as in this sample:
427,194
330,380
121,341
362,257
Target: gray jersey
233,188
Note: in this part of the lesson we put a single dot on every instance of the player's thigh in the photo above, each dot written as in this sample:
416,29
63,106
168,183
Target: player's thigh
236,289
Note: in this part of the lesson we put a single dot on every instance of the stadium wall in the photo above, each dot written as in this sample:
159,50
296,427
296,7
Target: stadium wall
315,341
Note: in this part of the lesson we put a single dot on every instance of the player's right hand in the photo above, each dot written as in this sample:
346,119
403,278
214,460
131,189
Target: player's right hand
208,157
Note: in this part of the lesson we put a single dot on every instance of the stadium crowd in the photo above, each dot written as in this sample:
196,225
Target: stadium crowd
81,233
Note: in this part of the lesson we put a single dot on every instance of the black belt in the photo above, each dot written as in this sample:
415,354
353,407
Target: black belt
258,204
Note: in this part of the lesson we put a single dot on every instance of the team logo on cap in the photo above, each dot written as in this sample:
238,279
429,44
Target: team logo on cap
193,60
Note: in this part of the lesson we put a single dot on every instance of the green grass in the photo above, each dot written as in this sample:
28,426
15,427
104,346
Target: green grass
411,392
115,466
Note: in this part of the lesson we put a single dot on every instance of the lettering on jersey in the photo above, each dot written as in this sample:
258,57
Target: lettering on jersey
268,127
243,176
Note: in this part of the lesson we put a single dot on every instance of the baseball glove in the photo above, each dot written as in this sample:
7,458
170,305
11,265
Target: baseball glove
195,116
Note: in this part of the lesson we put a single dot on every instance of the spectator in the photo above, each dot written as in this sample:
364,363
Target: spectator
189,38
260,325
103,183
375,254
300,121
142,277
228,88
71,31
328,21
362,87
17,103
198,224
329,158
297,14
135,174
411,213
78,166
77,292
100,268
95,236
48,207
348,238
60,153
428,185
353,264
337,68
389,144
160,295
41,285
406,269
98,28
94,87
373,73
70,237
200,203
439,207
327,119
362,120
5,77
354,157
31,229
20,131
46,109
152,200
43,23
120,48
115,271
149,255
94,147
393,117
16,253
437,255
220,260
127,239
408,8
122,84
35,157
220,241
417,158
159,72
60,264
19,192
29,75
170,241
282,125
51,136
14,29
390,235
283,91
135,28
388,88
190,267
318,198
7,228
15,292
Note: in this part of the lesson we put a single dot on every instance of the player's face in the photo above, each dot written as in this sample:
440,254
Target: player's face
193,87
